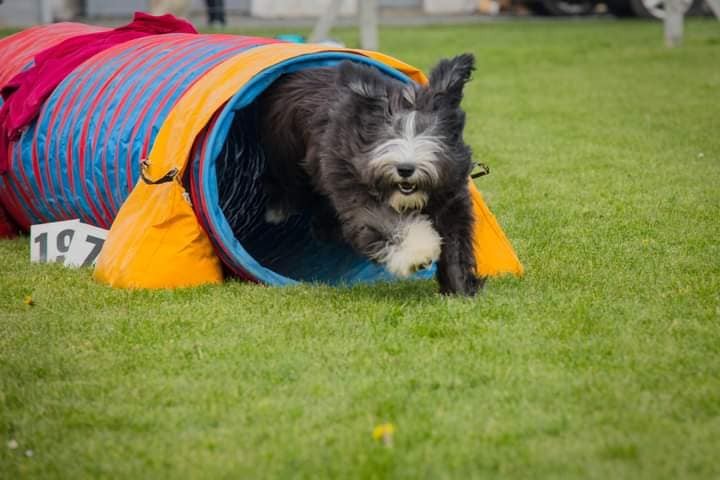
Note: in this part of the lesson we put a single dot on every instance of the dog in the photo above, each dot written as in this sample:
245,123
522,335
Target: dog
381,164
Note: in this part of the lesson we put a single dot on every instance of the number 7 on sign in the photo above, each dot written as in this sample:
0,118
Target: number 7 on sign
86,246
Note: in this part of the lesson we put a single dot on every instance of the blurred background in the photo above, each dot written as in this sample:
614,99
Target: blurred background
241,12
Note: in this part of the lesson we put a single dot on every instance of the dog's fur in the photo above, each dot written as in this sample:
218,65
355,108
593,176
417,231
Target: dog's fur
381,163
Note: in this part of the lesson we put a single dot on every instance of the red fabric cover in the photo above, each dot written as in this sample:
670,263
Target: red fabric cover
26,92
7,228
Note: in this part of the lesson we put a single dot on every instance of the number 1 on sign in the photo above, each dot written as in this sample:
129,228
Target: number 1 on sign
41,240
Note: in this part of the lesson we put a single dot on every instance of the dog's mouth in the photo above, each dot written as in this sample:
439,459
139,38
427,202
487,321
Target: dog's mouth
406,188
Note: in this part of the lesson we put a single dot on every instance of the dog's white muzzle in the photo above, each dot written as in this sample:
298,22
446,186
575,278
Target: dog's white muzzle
405,202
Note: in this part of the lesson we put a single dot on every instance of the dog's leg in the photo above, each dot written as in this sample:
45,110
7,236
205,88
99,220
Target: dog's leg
285,184
456,268
325,224
287,188
403,244
277,208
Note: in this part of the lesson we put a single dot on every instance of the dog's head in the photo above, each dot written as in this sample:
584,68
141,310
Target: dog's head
404,141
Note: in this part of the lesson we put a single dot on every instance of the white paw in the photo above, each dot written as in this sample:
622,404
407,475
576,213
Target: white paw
275,215
417,246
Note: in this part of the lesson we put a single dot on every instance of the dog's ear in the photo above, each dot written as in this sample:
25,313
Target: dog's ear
449,77
362,80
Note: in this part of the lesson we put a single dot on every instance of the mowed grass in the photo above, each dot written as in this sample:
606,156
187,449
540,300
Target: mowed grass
602,362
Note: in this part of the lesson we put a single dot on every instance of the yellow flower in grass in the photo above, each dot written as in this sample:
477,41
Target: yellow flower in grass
28,301
384,432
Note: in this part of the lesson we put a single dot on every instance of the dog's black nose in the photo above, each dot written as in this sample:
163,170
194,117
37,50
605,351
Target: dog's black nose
405,169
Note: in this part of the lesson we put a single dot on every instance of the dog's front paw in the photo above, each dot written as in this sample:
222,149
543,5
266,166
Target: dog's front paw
416,246
459,283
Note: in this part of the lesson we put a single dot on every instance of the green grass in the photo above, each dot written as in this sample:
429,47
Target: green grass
603,362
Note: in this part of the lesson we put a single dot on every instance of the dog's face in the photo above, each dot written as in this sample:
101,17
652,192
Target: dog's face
404,141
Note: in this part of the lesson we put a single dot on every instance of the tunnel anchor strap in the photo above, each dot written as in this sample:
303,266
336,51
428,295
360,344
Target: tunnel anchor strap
482,170
168,177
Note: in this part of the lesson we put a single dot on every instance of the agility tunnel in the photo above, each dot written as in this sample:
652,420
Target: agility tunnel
156,139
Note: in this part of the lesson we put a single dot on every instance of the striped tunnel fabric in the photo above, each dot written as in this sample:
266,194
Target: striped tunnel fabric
82,156
18,50
16,53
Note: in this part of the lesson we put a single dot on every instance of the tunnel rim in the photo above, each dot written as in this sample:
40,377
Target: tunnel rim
233,251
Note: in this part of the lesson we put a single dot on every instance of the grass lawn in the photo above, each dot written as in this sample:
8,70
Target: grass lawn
602,362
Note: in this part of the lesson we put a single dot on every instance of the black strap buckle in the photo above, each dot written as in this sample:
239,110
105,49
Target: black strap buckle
484,170
168,177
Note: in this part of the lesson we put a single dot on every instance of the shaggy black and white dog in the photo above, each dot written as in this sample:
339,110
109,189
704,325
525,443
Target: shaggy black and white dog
381,163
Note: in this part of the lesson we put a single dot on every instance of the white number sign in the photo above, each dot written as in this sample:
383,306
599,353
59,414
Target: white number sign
69,242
